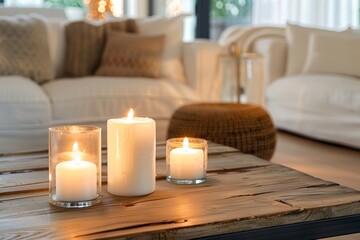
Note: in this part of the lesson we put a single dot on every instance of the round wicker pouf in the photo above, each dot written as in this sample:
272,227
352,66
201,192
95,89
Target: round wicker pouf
246,127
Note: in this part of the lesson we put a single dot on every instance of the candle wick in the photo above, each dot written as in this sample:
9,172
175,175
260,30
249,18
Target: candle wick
186,143
130,114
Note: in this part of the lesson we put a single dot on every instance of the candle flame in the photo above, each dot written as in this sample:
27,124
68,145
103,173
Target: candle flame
75,150
75,147
130,114
186,143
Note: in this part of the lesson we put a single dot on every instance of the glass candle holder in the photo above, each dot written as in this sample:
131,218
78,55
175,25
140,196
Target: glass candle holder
186,160
74,166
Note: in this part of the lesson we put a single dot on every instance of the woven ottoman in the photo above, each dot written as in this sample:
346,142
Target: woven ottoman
246,127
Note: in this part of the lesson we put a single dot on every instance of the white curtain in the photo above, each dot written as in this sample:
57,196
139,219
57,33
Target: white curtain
333,14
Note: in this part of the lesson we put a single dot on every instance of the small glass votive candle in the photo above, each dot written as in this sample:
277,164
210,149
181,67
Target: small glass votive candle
186,160
74,166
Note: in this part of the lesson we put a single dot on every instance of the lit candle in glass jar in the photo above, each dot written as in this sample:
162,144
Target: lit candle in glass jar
186,162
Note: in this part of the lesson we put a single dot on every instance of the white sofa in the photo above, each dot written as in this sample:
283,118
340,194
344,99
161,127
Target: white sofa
28,109
312,78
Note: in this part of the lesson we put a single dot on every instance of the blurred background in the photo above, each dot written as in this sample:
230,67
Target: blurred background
208,18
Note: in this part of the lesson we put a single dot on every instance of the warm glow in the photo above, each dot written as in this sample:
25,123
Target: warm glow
75,147
130,115
186,143
98,9
101,9
173,7
117,8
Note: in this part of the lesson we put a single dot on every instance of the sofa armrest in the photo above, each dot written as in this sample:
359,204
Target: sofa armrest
202,69
274,52
269,41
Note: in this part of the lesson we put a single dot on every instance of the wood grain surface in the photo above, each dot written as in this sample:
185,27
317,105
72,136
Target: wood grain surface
242,192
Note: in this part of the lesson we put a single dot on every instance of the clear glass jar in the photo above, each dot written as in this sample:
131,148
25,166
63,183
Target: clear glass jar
243,78
74,166
186,160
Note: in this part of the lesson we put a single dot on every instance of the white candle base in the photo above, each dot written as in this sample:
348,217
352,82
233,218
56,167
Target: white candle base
73,204
185,181
76,181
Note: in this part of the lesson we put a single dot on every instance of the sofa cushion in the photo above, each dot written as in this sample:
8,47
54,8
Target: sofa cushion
90,99
317,93
131,55
333,54
298,41
56,36
24,48
320,106
85,42
23,103
172,28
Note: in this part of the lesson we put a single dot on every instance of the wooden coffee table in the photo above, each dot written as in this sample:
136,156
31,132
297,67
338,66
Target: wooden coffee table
243,197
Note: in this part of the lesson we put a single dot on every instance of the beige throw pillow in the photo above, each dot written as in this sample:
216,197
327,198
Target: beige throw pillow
171,64
24,48
298,41
85,42
131,55
333,54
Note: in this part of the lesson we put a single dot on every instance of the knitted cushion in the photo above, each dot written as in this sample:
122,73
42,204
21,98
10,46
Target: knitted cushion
248,128
24,48
85,43
131,55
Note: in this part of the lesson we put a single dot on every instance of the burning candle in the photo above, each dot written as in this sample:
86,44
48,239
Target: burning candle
186,162
131,155
76,179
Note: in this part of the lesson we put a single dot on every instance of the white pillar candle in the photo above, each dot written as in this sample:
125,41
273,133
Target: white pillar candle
186,163
131,155
76,179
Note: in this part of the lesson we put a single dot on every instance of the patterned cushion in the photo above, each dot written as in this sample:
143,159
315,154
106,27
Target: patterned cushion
85,43
132,55
24,48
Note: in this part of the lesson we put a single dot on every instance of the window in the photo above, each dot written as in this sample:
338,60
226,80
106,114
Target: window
335,14
224,13
23,3
209,18
176,7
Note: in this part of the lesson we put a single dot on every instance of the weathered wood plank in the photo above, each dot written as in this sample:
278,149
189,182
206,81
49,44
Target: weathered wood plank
23,162
39,161
170,206
37,180
241,193
279,189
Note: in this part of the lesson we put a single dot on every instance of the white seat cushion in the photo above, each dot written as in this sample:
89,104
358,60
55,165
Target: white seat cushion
23,103
324,107
95,98
317,92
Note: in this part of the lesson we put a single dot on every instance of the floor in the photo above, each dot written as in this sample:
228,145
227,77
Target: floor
321,160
